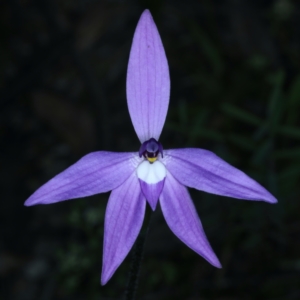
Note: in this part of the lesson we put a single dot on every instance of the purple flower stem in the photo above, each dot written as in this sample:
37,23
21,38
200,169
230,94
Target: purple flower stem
137,256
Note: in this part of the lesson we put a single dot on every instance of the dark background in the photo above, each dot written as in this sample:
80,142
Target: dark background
235,90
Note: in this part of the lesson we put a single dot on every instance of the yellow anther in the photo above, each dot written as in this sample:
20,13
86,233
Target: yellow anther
152,159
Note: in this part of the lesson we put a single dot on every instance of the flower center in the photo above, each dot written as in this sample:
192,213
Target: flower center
150,150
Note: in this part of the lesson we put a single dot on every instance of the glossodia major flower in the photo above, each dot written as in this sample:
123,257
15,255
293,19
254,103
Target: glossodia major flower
150,174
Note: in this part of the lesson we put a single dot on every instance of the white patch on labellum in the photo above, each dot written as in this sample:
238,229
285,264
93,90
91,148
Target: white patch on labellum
151,173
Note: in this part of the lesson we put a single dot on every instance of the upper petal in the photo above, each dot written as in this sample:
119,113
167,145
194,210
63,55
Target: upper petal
148,82
203,170
123,220
97,172
181,216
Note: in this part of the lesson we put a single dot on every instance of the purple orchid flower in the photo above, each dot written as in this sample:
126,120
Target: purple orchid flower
152,173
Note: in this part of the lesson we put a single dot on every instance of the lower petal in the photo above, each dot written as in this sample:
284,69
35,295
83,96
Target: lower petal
182,218
123,220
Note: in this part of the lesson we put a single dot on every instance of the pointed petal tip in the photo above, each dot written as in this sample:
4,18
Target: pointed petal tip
107,273
145,18
272,200
212,259
27,203
35,199
104,279
153,206
216,263
268,197
152,192
30,201
146,12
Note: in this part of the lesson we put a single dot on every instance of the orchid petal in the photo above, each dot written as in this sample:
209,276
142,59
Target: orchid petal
205,171
123,220
151,176
182,218
148,82
152,192
97,172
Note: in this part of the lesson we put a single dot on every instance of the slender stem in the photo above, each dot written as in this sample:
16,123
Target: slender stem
137,256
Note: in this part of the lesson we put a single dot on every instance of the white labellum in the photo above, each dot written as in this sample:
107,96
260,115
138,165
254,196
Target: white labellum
151,173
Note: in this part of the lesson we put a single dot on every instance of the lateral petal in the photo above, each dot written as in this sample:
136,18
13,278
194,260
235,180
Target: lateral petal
148,82
123,220
182,218
97,172
205,171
